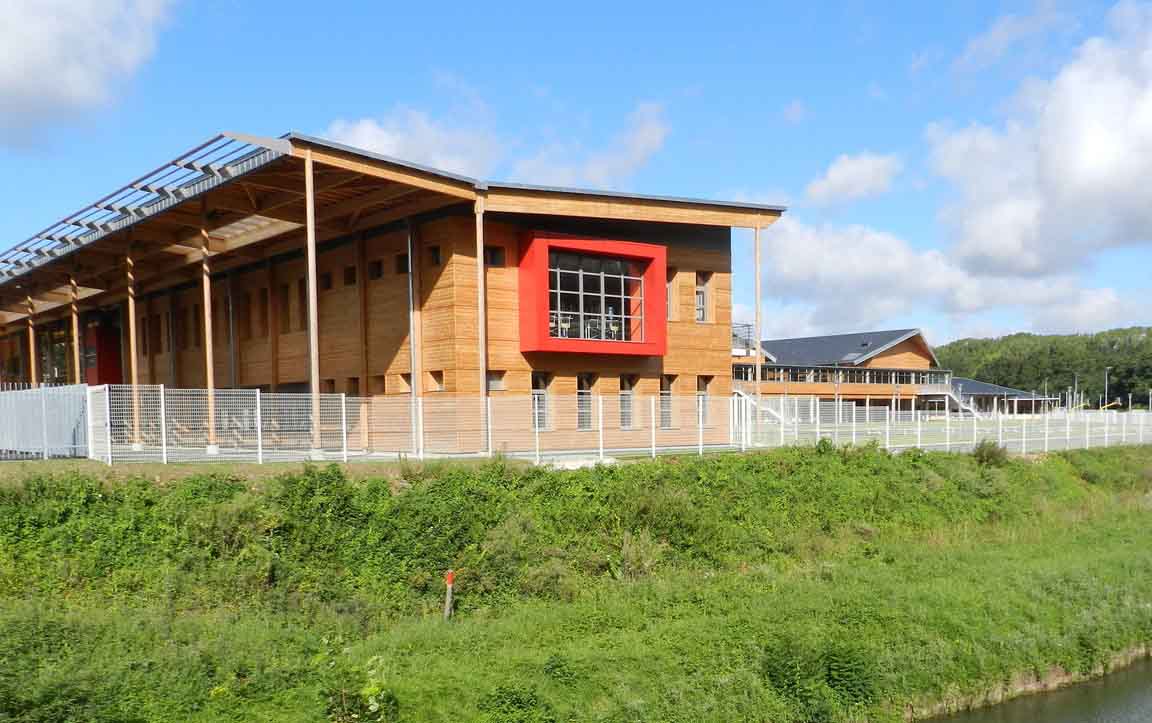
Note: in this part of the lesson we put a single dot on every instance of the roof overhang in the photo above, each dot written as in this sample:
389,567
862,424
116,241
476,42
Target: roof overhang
239,191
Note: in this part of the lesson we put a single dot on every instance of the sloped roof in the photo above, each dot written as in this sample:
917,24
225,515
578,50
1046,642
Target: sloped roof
837,349
974,387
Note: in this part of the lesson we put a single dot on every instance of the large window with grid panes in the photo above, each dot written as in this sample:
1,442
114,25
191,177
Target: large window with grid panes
595,297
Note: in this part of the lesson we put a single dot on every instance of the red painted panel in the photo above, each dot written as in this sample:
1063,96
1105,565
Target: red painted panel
104,340
533,279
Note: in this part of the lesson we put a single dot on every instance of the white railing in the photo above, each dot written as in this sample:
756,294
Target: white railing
122,423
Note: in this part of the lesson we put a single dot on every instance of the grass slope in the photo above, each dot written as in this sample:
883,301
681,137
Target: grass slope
797,585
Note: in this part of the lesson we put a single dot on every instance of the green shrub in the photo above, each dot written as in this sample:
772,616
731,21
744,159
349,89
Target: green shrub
989,454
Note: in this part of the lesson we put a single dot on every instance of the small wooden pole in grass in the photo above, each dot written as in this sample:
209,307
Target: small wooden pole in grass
449,581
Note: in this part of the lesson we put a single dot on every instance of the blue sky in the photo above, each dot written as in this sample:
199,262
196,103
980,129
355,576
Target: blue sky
969,168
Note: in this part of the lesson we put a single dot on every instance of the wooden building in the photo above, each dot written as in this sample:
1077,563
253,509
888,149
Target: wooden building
887,368
298,264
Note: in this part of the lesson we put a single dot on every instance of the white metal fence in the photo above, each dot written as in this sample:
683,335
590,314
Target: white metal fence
122,423
43,423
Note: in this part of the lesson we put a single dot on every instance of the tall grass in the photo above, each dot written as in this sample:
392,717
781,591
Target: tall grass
796,585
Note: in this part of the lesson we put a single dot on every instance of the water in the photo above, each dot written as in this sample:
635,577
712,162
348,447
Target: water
1122,697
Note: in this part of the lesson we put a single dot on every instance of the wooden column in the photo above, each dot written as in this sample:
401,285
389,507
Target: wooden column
173,356
273,326
313,321
233,352
756,290
481,299
33,376
415,325
133,359
74,312
362,301
209,366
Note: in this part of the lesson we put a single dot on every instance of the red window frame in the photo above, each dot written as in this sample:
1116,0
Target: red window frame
533,277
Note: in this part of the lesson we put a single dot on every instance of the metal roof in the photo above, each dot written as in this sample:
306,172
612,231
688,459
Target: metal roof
974,387
214,163
206,166
836,349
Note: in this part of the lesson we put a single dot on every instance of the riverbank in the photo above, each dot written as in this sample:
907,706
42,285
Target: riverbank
796,585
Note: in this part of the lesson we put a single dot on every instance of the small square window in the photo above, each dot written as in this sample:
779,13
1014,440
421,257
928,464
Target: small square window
326,281
495,381
401,263
434,255
493,255
375,269
436,381
349,275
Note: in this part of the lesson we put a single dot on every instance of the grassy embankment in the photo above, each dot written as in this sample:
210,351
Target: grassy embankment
795,585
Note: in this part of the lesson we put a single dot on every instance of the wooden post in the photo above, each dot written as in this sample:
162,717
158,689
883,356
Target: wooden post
273,326
313,321
756,332
449,583
133,358
33,376
362,316
481,300
209,356
74,312
415,326
233,352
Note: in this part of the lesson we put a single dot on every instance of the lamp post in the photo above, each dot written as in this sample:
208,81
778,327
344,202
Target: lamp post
1105,402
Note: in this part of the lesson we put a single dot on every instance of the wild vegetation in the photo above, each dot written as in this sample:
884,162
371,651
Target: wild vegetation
816,584
1025,361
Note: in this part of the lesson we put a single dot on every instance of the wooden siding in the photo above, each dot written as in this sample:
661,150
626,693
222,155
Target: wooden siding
909,354
268,318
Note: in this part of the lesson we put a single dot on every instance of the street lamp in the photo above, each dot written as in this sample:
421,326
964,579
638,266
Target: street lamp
1106,370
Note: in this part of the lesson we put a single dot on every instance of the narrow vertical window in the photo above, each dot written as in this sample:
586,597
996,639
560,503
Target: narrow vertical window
703,282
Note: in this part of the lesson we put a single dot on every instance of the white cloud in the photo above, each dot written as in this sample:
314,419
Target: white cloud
413,135
563,165
1067,173
60,57
795,111
1009,31
855,177
850,278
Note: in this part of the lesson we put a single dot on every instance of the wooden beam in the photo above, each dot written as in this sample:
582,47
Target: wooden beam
357,163
209,366
561,203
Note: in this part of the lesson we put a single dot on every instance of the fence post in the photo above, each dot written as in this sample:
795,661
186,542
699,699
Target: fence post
947,427
1087,430
1106,423
88,421
488,425
700,402
1024,435
1140,427
975,428
344,426
652,416
108,419
163,428
888,429
853,424
999,429
1124,428
919,430
600,426
1067,428
536,401
420,427
44,419
817,407
1046,432
742,407
259,430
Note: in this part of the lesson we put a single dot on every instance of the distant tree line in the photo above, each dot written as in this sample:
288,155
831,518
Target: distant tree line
1025,361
